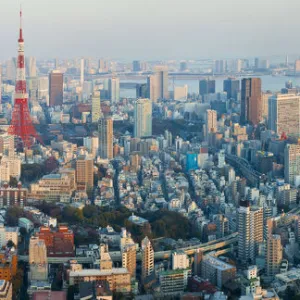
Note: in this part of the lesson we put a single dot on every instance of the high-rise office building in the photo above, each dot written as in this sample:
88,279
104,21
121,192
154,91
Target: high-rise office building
220,66
291,163
273,255
102,66
31,67
96,107
81,72
211,121
180,93
129,259
56,88
147,258
206,86
284,114
152,88
85,172
43,88
232,88
114,89
106,135
141,91
38,261
136,66
251,101
143,118
250,228
265,104
158,84
297,66
11,69
32,87
238,65
162,74
183,66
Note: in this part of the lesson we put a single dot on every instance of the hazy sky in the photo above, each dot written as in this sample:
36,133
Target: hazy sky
152,29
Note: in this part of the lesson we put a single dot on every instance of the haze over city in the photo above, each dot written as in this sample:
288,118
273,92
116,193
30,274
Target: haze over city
157,29
149,150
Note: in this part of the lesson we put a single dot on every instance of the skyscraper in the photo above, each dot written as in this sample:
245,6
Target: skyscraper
81,72
297,66
183,66
102,66
141,91
38,261
211,121
106,134
31,67
232,88
56,87
147,258
152,88
273,255
206,86
250,228
251,101
284,114
291,163
32,87
96,108
129,258
11,69
43,88
158,84
162,74
114,89
136,66
85,172
265,105
143,118
220,66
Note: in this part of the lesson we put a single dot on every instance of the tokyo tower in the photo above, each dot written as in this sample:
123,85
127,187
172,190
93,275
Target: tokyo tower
21,123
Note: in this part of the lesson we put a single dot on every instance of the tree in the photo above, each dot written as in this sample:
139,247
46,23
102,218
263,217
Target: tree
23,231
50,164
10,244
12,215
13,182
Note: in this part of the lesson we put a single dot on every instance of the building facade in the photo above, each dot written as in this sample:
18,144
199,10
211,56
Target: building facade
143,118
251,101
38,261
106,135
147,258
118,278
56,88
291,163
273,255
59,243
284,114
85,172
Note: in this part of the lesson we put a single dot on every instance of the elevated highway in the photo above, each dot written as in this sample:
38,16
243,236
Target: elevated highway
160,255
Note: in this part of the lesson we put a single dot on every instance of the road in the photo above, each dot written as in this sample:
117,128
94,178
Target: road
117,257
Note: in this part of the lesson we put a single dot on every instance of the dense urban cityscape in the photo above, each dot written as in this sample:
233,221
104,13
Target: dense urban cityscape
149,179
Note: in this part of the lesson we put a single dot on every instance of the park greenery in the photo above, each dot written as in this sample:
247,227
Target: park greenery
162,223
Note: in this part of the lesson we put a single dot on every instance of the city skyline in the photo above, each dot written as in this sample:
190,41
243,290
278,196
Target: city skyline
100,30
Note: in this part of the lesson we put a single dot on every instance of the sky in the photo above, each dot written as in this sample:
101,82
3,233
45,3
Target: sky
151,29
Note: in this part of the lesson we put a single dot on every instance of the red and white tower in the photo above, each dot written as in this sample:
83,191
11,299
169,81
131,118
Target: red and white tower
21,123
